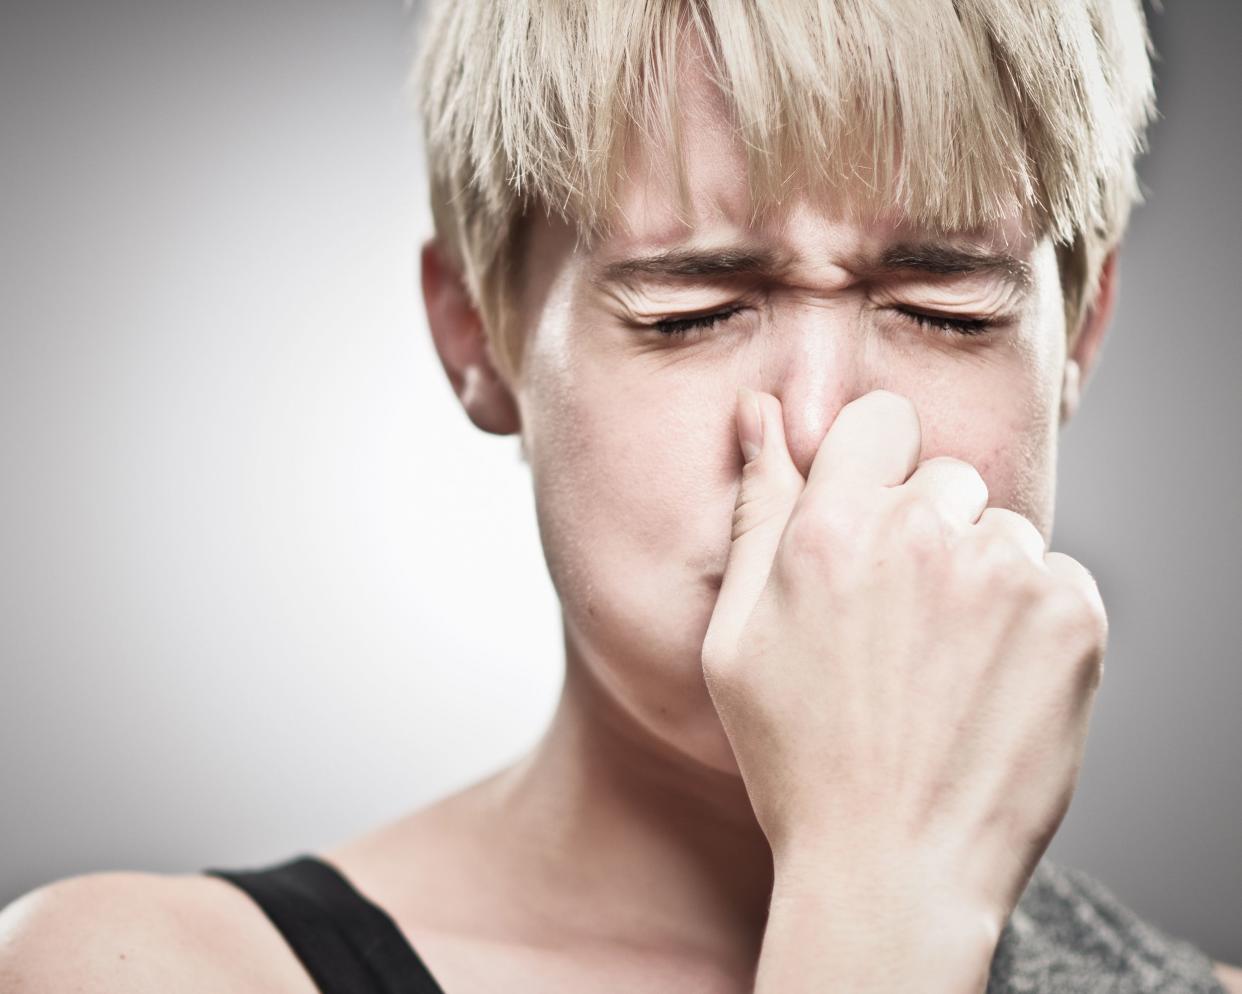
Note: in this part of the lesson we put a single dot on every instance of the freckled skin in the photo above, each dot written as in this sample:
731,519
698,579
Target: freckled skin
631,440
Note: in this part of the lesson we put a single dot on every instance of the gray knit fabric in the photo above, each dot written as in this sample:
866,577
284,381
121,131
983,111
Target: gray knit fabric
1070,935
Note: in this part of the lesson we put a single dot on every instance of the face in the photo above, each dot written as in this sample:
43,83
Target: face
629,424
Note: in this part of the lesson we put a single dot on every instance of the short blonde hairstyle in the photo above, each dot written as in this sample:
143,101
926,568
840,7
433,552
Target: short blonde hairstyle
948,109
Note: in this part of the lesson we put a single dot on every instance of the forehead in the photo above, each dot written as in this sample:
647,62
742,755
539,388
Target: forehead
719,208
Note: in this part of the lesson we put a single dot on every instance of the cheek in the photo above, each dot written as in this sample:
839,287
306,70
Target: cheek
626,490
632,528
1014,454
1003,421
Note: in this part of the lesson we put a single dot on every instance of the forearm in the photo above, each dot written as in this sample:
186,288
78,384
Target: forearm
821,939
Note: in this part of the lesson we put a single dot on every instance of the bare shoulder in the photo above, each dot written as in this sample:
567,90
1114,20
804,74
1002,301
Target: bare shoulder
1230,977
134,933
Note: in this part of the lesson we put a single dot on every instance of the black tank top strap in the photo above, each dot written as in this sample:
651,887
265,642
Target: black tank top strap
347,944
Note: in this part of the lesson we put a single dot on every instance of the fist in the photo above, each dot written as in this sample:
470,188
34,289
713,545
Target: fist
904,674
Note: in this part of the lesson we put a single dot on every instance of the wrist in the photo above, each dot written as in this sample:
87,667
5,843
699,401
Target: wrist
880,932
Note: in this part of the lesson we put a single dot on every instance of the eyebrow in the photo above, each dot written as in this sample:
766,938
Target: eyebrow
695,265
691,265
939,259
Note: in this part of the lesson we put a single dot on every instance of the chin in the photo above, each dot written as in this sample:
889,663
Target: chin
644,644
692,727
712,749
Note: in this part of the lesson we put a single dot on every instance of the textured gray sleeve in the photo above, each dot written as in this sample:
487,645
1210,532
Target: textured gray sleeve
1071,935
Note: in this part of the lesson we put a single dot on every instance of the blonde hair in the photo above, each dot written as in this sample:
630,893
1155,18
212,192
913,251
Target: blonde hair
964,105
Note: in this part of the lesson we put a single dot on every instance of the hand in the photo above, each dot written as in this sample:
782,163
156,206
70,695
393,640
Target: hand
905,676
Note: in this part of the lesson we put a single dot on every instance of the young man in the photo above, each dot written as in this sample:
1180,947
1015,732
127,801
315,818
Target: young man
786,302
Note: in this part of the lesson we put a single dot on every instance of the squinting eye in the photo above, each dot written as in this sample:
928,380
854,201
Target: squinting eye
944,323
673,327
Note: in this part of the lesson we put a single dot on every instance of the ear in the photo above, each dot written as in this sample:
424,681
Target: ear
457,330
1084,346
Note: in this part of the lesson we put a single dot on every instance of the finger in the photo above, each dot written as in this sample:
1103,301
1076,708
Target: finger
952,485
768,490
1017,529
873,442
1075,573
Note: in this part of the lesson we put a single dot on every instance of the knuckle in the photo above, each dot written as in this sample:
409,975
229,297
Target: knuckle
1097,674
820,533
1069,613
1016,580
1090,667
1014,526
918,523
1096,604
993,560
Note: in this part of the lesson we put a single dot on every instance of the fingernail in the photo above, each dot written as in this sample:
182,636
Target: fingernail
749,423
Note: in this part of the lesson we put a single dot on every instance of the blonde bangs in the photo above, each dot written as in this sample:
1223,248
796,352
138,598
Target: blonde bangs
955,112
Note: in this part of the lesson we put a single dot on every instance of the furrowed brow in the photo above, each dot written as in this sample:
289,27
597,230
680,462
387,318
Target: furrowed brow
938,259
689,265
704,266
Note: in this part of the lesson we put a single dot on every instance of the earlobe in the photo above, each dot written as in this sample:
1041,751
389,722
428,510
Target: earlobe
470,393
1070,386
461,343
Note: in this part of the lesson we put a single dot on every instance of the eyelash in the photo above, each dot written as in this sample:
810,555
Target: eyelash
677,327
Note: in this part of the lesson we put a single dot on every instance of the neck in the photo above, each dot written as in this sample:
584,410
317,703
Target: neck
632,836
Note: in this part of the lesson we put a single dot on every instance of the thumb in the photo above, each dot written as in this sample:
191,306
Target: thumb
769,489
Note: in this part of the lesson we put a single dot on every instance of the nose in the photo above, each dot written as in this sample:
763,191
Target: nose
818,369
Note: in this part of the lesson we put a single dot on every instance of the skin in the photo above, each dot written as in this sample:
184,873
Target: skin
624,851
906,677
632,445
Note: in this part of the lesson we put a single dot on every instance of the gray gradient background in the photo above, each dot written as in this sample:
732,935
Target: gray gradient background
262,585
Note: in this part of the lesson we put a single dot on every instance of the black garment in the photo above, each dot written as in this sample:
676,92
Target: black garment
347,944
1068,935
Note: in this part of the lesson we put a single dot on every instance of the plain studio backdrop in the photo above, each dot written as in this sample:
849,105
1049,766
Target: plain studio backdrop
262,585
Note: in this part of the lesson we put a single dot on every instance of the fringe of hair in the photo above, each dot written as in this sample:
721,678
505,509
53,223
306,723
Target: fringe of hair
951,110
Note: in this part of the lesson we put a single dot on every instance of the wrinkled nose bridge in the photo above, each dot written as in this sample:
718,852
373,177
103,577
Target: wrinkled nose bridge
818,369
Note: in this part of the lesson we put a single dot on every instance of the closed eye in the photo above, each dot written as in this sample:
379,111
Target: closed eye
675,327
943,322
